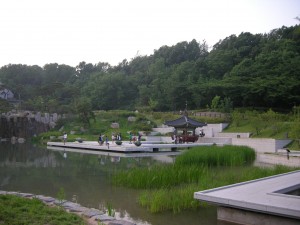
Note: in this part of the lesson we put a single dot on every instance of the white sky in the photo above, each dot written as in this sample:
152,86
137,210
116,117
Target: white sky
37,32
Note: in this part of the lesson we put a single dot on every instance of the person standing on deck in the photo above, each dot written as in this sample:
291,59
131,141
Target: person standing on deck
65,137
130,137
106,142
100,139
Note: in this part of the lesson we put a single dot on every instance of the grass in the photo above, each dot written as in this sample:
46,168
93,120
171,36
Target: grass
180,197
16,210
101,124
171,187
217,156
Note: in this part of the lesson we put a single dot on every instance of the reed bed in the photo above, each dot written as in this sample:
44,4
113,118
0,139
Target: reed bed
171,187
179,198
159,176
217,156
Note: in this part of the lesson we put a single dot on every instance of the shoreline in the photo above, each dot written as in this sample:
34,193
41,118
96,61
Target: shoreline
91,215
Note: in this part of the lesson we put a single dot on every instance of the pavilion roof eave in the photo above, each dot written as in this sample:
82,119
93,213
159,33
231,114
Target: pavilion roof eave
184,122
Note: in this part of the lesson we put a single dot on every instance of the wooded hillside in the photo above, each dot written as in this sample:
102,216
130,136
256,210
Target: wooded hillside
249,70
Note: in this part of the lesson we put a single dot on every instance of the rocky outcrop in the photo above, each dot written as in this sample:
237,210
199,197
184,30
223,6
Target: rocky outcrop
25,124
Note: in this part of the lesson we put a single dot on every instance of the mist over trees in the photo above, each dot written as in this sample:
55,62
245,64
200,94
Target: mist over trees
248,70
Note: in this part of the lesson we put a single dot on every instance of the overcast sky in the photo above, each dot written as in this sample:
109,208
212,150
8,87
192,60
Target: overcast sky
37,32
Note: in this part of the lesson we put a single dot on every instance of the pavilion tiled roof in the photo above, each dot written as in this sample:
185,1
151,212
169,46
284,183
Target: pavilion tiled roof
185,121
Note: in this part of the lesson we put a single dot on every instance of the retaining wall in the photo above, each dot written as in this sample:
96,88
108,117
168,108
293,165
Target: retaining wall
283,159
261,144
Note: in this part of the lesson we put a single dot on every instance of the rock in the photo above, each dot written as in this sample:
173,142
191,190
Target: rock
26,195
104,217
92,212
72,132
120,222
52,125
115,125
131,119
45,198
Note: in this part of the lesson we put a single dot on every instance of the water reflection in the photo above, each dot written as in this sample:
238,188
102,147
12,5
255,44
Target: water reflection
86,177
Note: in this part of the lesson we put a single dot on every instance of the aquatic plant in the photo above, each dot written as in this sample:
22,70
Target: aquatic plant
172,186
61,196
217,156
180,197
110,209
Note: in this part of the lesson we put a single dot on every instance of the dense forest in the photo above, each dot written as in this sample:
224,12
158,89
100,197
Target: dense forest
248,70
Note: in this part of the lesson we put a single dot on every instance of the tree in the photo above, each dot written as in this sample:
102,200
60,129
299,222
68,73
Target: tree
83,108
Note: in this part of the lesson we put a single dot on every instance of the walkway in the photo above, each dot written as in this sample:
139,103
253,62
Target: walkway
126,147
267,195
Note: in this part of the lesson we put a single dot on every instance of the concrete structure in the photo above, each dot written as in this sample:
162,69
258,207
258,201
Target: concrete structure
263,201
126,147
260,145
284,158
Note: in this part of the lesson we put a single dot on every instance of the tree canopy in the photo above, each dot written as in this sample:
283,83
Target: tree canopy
248,70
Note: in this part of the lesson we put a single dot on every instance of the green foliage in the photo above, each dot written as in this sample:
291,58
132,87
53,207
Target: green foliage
83,107
61,196
262,124
215,103
17,210
187,168
217,156
4,106
248,70
295,132
171,187
110,209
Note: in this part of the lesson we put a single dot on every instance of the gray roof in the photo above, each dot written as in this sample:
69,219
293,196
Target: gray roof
185,121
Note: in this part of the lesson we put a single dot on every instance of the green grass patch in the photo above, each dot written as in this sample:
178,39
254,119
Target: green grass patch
21,211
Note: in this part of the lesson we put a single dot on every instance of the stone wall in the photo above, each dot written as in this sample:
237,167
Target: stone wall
26,124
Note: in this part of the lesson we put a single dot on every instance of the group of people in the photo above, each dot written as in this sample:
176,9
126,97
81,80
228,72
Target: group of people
134,139
102,138
105,139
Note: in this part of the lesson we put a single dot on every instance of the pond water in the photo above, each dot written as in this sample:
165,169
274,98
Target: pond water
85,177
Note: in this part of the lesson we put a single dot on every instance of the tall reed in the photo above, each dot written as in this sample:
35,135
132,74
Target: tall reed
217,156
181,197
171,187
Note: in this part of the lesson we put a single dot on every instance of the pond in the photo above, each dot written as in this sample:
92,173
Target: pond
85,177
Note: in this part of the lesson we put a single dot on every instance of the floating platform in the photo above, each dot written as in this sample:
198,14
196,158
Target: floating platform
126,147
270,200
